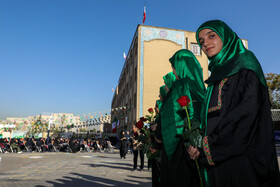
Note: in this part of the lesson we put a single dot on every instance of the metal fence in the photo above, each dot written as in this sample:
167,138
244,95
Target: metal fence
275,114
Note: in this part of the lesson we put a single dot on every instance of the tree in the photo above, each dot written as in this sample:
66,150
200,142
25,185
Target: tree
273,83
38,125
62,120
94,130
70,126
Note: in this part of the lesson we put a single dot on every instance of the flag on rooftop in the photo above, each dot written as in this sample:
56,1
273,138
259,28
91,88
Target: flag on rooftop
144,14
124,56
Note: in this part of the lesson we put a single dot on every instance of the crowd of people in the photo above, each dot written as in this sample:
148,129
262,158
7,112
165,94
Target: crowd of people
71,145
220,136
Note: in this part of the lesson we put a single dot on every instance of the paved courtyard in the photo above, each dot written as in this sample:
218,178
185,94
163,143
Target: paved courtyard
77,169
64,169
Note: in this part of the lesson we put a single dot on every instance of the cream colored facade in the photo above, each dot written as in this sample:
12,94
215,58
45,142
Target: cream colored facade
61,119
58,120
147,62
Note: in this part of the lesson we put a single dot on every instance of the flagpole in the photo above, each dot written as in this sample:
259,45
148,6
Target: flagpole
50,121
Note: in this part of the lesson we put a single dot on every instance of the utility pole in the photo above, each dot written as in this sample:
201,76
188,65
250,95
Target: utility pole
50,122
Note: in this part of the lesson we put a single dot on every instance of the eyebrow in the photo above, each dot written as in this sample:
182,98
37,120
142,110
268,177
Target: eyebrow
205,34
209,32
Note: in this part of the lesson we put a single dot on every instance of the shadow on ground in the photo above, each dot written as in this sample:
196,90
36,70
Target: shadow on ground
109,166
91,181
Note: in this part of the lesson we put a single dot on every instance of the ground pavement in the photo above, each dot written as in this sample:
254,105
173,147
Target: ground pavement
64,169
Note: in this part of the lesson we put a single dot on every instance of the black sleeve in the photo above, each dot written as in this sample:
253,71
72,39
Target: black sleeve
158,130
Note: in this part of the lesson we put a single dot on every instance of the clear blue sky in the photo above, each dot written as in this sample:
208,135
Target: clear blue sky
67,55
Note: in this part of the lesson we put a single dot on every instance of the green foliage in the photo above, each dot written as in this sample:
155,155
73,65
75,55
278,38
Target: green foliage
149,118
192,137
83,130
39,126
273,83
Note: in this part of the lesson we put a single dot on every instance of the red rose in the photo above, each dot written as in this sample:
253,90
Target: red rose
151,111
184,101
139,124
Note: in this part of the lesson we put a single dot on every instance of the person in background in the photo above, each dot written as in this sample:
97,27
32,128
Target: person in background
123,143
15,146
138,146
21,144
43,145
128,143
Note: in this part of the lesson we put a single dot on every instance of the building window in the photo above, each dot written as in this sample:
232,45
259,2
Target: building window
195,49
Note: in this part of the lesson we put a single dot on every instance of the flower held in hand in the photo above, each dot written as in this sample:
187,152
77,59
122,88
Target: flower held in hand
150,110
184,101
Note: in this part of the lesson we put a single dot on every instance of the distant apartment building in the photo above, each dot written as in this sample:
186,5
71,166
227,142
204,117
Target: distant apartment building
59,120
146,63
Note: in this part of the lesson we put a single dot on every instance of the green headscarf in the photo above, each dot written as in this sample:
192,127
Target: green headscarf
190,84
162,91
233,57
187,67
169,79
230,60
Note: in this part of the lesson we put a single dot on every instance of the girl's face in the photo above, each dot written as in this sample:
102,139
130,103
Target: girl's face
134,128
156,109
210,42
160,97
166,89
175,73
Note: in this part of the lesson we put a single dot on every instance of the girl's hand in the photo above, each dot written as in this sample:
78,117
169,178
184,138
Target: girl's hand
193,152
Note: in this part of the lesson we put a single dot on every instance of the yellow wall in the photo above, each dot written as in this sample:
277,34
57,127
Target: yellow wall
156,65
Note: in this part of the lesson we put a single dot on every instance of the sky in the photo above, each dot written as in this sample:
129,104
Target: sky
67,55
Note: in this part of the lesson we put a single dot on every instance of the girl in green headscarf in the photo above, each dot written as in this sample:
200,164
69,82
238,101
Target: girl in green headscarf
162,96
162,93
177,169
169,79
238,148
155,148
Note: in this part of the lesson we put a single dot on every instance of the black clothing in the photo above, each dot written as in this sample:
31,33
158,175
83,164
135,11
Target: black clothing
123,144
74,146
158,133
239,134
155,173
180,171
135,158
